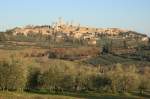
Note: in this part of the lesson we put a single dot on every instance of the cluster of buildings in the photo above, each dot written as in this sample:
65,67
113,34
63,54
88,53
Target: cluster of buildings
61,29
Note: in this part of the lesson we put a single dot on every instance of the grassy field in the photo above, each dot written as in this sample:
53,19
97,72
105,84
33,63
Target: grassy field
25,95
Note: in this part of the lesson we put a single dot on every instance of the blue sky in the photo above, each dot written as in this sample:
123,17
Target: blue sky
126,14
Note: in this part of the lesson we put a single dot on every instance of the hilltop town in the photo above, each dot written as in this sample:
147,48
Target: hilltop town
63,30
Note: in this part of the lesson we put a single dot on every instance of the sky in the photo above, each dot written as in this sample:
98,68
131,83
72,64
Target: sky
126,14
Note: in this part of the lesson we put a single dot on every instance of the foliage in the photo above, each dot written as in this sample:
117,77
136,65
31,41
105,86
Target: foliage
58,76
105,45
12,75
2,36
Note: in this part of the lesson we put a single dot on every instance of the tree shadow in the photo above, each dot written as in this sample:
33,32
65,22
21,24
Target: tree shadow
91,95
145,95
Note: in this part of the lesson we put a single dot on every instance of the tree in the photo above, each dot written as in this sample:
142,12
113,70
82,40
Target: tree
12,75
106,45
123,79
68,82
2,37
140,51
144,80
102,83
144,84
33,78
125,44
51,79
80,81
115,75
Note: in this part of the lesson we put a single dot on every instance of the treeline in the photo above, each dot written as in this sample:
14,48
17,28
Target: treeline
61,76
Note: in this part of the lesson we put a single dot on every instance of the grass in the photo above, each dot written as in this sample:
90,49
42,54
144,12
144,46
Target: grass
25,95
66,95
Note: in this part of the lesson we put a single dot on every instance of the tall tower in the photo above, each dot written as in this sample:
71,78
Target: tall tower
60,21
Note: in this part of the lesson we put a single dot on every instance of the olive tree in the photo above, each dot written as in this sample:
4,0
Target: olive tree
12,75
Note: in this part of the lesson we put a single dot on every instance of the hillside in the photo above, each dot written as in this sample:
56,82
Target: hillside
65,61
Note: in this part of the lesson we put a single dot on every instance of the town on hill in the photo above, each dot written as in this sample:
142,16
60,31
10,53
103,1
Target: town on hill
62,30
